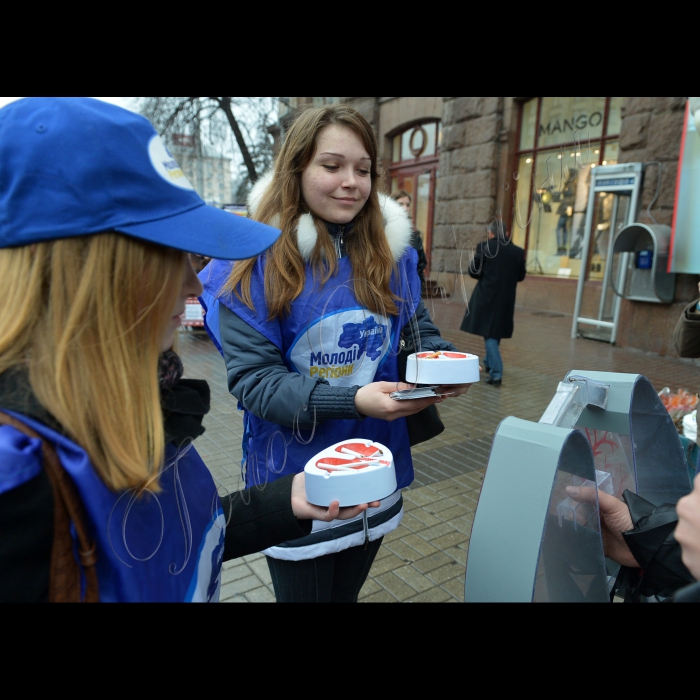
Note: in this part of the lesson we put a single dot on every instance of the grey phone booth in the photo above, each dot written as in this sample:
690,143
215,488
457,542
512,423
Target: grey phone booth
636,256
624,180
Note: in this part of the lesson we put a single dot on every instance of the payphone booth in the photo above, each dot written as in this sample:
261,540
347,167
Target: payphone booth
643,251
613,202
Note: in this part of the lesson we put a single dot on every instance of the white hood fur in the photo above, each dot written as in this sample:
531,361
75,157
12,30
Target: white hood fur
396,224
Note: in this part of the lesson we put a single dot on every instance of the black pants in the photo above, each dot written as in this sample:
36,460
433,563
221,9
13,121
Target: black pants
332,578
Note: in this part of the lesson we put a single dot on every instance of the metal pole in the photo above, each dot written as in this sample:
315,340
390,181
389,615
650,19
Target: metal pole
621,280
608,257
584,255
625,257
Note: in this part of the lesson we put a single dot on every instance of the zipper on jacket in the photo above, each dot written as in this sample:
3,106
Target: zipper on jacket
365,525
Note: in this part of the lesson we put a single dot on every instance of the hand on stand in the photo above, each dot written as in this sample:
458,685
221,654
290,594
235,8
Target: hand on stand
615,519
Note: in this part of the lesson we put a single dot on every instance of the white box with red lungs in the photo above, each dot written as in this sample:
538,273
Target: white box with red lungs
351,472
442,367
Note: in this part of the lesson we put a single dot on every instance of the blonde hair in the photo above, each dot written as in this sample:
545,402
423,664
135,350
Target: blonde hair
86,316
282,205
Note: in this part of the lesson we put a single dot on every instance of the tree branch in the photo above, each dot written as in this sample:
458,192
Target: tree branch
225,104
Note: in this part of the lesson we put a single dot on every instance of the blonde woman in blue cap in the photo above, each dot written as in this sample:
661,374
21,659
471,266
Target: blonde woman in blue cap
102,495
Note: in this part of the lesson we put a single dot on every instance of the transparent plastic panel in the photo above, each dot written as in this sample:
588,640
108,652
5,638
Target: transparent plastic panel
571,566
635,439
662,474
612,454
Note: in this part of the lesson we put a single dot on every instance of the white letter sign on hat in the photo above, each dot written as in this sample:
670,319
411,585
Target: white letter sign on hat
165,165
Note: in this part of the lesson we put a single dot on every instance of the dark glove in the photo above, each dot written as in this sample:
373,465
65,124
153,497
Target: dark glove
654,547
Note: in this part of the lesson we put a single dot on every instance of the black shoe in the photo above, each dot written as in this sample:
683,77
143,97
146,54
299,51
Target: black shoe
493,382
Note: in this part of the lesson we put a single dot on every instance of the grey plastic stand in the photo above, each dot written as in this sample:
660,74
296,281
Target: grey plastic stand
530,541
635,417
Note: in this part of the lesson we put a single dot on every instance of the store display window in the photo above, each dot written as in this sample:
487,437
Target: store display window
414,169
561,140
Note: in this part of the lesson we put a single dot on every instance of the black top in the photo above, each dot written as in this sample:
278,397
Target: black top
499,266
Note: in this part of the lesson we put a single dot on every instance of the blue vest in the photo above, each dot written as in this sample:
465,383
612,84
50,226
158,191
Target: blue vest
164,547
328,335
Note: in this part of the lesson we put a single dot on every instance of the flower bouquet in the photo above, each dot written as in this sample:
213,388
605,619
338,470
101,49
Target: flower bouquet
678,404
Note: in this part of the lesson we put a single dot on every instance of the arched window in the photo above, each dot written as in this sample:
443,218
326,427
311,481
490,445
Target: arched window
414,168
561,140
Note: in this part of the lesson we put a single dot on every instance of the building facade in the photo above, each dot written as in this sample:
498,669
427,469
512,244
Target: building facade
528,161
209,173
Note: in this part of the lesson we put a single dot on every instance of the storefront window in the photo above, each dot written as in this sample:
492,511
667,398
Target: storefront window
561,142
560,197
612,149
415,157
523,194
615,116
567,119
529,120
417,142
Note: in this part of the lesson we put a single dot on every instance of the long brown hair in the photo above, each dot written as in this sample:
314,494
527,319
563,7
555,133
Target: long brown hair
281,205
86,316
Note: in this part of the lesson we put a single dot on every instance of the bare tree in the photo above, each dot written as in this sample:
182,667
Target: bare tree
216,119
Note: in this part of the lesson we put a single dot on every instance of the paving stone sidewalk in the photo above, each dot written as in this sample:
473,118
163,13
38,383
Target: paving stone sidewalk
424,559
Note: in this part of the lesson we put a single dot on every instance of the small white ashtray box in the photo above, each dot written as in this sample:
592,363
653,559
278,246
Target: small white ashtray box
442,367
351,472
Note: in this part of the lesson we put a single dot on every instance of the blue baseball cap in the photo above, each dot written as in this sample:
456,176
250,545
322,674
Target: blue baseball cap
74,166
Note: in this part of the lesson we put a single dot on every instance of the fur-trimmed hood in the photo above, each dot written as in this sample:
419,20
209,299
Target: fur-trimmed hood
396,223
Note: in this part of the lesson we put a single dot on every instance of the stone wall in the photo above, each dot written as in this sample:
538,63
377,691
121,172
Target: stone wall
651,131
469,168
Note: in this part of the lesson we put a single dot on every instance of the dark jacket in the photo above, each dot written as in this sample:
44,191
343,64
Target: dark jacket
659,555
686,336
417,244
499,266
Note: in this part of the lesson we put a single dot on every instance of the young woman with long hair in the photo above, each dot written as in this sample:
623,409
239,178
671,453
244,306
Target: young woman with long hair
102,496
310,333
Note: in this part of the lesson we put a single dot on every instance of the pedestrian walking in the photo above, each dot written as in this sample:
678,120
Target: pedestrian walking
102,495
310,334
498,265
